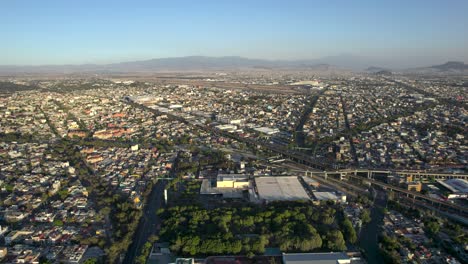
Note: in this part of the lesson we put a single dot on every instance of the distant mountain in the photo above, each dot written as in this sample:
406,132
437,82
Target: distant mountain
191,63
451,67
383,73
349,61
373,69
332,64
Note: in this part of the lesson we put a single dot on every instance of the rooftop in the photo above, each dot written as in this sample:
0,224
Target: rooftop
316,258
280,188
324,196
456,185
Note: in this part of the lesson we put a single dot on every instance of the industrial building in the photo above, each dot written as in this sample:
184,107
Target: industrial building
227,127
227,185
267,131
232,181
280,189
457,187
311,182
329,196
317,258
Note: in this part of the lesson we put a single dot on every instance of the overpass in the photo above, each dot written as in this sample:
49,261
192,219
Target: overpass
417,175
345,176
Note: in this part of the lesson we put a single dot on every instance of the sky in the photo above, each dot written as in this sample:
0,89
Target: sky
397,33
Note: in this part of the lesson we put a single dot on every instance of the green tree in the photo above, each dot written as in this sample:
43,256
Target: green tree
391,257
58,222
62,194
335,241
349,231
432,226
365,216
91,261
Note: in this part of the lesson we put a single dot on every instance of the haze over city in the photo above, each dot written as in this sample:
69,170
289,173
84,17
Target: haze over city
396,34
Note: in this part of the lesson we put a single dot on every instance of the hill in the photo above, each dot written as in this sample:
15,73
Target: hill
448,68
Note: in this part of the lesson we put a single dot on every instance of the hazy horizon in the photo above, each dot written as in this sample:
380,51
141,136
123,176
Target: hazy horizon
346,58
394,34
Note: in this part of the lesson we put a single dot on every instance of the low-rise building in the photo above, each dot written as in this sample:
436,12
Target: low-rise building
232,181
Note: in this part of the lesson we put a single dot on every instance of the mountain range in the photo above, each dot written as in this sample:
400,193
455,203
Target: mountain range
451,67
342,63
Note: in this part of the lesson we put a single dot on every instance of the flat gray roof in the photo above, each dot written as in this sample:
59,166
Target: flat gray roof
232,177
206,188
280,188
316,258
324,196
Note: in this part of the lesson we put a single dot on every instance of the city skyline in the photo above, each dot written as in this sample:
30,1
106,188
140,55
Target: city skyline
391,34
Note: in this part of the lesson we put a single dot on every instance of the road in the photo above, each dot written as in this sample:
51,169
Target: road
149,222
319,163
350,136
368,237
299,134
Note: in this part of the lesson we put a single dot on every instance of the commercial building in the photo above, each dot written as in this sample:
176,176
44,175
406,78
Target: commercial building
227,185
280,189
232,181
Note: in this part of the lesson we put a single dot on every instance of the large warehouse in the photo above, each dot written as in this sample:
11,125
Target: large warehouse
457,187
280,189
319,258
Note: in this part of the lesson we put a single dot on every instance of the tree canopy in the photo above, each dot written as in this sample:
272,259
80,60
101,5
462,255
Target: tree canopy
291,226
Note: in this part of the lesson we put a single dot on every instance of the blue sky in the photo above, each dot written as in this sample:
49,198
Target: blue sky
35,32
